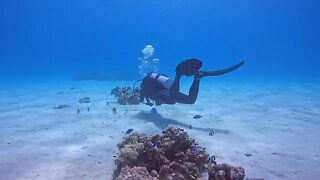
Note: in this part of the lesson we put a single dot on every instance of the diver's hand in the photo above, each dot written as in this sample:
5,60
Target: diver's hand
149,104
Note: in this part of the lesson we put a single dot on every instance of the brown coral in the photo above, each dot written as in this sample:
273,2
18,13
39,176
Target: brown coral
126,95
171,155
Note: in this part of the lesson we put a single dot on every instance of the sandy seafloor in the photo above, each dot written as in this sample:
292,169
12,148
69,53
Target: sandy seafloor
277,123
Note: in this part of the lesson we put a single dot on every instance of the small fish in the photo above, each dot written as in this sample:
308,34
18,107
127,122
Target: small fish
212,159
153,110
129,131
195,149
88,109
62,106
211,133
78,111
248,154
190,127
197,116
114,110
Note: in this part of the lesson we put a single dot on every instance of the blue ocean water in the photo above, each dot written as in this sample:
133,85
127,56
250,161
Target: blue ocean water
264,116
279,40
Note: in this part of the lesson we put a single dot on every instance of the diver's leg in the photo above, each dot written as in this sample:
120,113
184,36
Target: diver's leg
201,74
175,87
188,67
193,93
194,90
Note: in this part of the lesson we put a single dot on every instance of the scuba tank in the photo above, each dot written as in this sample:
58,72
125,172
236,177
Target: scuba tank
152,83
162,79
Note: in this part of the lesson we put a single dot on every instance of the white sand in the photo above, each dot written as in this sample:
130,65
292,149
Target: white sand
277,124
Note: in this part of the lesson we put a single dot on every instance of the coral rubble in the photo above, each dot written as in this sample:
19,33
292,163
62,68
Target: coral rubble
128,173
225,172
126,95
171,155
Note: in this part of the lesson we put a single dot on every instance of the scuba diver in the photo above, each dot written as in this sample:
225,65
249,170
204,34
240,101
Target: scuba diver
163,90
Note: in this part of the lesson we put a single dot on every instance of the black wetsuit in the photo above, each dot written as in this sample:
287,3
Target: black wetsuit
173,95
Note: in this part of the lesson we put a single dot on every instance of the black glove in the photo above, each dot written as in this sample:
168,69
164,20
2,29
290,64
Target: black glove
149,104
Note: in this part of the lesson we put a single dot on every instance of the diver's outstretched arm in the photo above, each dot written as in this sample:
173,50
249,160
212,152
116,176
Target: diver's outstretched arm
201,74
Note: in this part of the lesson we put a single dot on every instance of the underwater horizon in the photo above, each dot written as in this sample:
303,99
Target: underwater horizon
73,104
278,40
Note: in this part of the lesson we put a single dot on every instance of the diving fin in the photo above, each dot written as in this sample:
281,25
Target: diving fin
188,67
201,74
